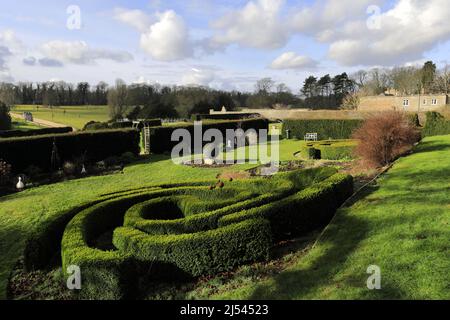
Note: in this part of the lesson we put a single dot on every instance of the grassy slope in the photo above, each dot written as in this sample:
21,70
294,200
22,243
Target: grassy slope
74,116
402,225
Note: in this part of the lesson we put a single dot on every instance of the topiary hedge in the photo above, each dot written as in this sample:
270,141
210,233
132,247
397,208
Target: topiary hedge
37,150
34,132
325,129
125,239
160,137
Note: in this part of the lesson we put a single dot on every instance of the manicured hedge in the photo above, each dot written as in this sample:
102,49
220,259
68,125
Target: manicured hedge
94,125
303,212
34,132
25,151
160,137
201,253
326,129
225,116
158,234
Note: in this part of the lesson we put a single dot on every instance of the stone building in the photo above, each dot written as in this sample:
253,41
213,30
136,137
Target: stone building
412,103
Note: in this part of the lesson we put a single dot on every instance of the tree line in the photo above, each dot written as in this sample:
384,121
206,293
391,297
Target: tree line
150,101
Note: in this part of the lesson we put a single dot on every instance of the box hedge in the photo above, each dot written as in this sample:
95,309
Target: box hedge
34,132
302,212
201,253
325,129
96,145
184,243
161,137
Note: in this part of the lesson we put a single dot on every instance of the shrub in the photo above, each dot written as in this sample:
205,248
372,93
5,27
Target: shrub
96,146
414,119
435,125
385,137
335,129
34,132
337,152
5,118
69,168
128,157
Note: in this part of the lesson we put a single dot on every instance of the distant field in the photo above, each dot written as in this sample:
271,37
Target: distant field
23,125
74,116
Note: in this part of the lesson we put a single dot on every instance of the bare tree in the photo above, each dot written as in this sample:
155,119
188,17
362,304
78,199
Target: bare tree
264,85
117,98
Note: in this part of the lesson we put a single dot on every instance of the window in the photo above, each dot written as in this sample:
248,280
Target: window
424,102
434,102
405,102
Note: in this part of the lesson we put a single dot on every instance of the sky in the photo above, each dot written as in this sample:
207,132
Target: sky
221,44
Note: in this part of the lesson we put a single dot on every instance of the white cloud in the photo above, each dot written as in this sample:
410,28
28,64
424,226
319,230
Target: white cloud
10,45
78,52
164,37
199,77
167,39
291,60
256,25
135,18
406,32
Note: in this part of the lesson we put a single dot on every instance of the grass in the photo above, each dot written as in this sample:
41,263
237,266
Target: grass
74,116
400,225
18,124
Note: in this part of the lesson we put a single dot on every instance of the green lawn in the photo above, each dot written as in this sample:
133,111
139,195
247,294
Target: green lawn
18,124
74,116
400,225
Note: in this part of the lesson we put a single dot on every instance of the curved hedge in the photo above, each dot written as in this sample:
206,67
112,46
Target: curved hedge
124,240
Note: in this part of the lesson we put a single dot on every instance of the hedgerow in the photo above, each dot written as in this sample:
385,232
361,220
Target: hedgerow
185,231
34,132
93,145
325,129
161,137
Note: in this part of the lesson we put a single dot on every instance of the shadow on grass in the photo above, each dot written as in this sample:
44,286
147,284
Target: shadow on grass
321,267
431,146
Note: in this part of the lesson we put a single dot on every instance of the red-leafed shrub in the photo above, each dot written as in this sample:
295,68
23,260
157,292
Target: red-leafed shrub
385,137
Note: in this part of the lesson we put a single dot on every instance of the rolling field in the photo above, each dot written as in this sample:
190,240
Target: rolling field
74,116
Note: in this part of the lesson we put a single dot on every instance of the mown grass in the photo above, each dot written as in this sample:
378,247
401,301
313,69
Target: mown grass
18,124
74,116
400,225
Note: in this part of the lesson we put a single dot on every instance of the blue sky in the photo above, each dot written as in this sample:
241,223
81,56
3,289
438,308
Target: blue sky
222,44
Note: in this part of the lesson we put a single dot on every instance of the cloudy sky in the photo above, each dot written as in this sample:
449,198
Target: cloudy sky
222,44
